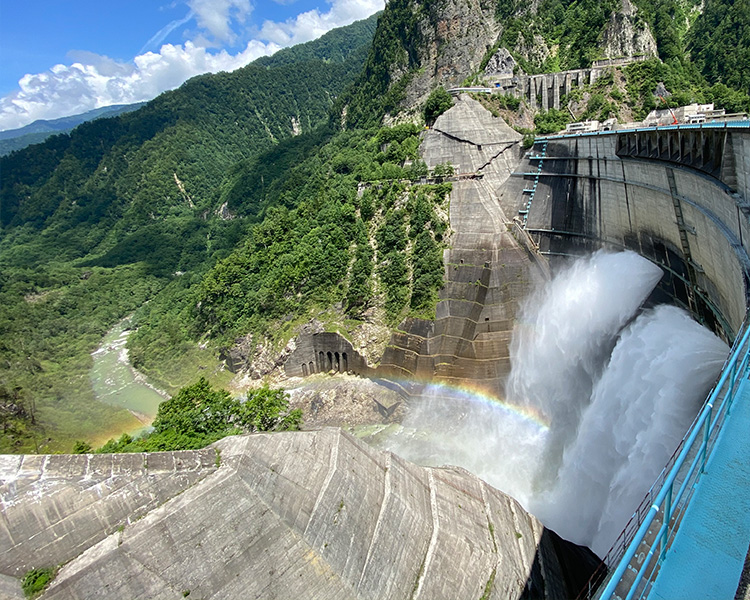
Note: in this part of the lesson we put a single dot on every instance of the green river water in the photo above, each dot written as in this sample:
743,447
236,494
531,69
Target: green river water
116,382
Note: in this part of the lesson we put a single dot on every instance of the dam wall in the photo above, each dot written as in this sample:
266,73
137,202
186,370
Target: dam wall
677,197
487,270
304,515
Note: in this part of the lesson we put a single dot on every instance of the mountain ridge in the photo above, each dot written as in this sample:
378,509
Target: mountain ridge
41,129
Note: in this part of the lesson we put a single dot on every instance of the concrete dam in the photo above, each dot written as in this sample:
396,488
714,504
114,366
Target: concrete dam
321,514
676,196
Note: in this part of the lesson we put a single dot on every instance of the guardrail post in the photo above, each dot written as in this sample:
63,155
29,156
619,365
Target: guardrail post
733,381
706,435
667,517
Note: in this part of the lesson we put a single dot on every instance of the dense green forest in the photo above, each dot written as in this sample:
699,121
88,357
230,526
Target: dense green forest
719,43
238,204
96,223
347,225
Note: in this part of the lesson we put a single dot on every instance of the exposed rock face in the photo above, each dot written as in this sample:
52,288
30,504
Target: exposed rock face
501,63
345,401
455,38
535,52
295,515
623,37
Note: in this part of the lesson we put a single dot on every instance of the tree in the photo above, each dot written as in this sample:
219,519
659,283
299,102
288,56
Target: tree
437,103
266,409
199,415
81,447
197,408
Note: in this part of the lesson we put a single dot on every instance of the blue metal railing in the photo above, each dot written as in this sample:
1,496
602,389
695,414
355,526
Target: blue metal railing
740,124
633,578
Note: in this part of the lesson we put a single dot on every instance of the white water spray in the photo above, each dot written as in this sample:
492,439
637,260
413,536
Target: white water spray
618,393
657,377
569,328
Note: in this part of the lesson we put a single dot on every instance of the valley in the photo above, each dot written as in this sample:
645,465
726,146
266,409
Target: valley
448,278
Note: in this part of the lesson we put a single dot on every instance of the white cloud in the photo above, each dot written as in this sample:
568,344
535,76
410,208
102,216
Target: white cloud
216,16
100,81
93,81
312,24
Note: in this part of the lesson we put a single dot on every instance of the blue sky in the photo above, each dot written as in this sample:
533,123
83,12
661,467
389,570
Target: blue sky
59,58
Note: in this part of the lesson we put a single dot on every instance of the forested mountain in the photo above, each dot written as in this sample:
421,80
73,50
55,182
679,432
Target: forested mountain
97,222
38,131
238,205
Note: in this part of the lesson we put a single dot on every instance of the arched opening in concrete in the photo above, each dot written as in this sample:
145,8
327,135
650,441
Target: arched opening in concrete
321,362
338,362
330,362
312,367
345,359
304,370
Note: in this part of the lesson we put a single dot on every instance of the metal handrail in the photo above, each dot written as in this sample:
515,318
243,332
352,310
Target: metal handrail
672,506
741,124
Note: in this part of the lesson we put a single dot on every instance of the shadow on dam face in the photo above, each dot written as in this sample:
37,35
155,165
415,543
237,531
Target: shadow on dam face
580,567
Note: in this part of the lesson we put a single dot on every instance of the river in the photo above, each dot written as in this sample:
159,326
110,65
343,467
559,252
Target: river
117,383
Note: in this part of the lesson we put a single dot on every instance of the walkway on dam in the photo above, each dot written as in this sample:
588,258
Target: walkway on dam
706,558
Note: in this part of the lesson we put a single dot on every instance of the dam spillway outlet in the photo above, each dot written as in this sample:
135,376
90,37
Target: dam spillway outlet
599,395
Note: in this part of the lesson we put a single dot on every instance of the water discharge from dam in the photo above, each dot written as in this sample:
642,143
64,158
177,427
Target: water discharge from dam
599,395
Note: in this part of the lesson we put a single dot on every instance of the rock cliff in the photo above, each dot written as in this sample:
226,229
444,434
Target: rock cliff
290,515
455,35
625,36
443,42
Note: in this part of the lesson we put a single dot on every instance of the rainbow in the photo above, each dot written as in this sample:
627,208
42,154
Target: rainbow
472,394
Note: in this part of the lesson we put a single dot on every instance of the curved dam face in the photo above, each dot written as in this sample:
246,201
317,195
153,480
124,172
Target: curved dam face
677,197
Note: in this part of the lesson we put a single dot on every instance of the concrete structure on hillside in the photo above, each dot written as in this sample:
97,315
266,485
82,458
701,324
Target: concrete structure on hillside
287,515
323,353
541,92
486,268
